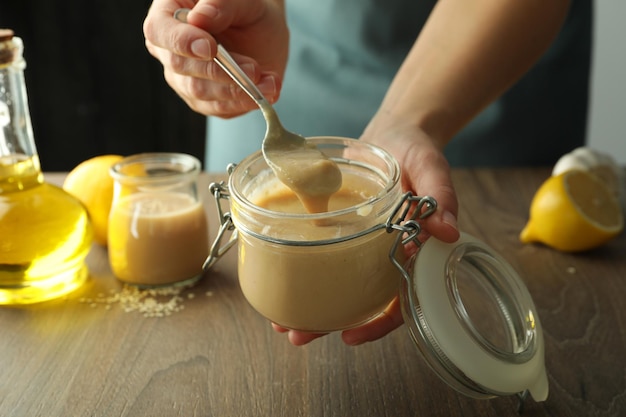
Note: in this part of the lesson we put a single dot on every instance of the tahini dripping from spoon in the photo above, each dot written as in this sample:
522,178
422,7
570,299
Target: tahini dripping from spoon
310,174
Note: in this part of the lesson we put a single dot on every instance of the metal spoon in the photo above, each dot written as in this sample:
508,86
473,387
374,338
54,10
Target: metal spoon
296,163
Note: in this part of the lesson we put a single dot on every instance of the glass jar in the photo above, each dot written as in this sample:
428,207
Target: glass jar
466,309
158,231
318,272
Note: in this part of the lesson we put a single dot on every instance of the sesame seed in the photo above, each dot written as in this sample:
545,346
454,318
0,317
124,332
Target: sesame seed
152,302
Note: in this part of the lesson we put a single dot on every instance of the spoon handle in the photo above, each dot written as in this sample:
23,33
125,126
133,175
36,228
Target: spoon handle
228,64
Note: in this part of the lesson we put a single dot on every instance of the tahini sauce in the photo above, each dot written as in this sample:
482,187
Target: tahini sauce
319,288
309,173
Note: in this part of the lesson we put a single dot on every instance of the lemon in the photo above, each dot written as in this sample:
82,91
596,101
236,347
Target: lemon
573,211
91,183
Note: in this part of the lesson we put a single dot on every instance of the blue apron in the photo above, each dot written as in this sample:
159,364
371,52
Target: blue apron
344,54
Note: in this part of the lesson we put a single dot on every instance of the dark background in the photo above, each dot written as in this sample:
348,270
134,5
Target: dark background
93,88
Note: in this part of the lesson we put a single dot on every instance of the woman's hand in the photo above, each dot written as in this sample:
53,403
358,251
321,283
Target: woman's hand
388,320
425,171
469,53
254,32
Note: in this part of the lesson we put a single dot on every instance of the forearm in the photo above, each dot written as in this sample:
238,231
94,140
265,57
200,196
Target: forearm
469,53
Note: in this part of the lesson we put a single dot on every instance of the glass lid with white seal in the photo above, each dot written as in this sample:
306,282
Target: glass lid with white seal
467,310
470,314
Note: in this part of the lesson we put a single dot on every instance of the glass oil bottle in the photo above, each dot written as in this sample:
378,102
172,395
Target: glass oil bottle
45,233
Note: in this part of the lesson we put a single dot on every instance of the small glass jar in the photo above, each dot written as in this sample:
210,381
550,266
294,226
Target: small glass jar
468,312
158,230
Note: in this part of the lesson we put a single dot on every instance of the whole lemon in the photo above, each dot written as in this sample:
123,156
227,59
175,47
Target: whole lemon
573,211
91,183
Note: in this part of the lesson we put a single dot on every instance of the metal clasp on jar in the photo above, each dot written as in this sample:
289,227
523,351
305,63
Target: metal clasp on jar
220,192
404,219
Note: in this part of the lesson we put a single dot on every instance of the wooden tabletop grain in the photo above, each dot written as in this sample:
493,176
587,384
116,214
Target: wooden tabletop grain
94,353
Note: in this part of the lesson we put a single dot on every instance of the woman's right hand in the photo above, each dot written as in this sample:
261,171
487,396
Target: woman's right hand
253,31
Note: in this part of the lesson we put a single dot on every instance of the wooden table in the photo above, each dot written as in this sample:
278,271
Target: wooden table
217,357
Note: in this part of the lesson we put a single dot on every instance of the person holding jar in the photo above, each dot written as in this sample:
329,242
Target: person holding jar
436,83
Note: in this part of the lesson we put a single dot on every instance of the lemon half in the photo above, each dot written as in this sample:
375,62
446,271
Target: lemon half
573,211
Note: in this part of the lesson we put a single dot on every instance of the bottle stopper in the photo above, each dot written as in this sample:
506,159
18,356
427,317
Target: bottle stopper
6,47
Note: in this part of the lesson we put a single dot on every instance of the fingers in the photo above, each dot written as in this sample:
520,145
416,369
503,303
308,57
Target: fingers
389,320
187,50
206,19
297,338
425,172
210,98
206,69
433,179
162,30
216,16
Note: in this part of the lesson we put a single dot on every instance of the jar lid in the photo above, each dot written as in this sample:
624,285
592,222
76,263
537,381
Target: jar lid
473,320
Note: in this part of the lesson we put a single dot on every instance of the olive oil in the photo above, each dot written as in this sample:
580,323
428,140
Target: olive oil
45,233
45,236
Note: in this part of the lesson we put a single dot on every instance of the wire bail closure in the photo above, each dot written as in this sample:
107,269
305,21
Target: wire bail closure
220,192
416,208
